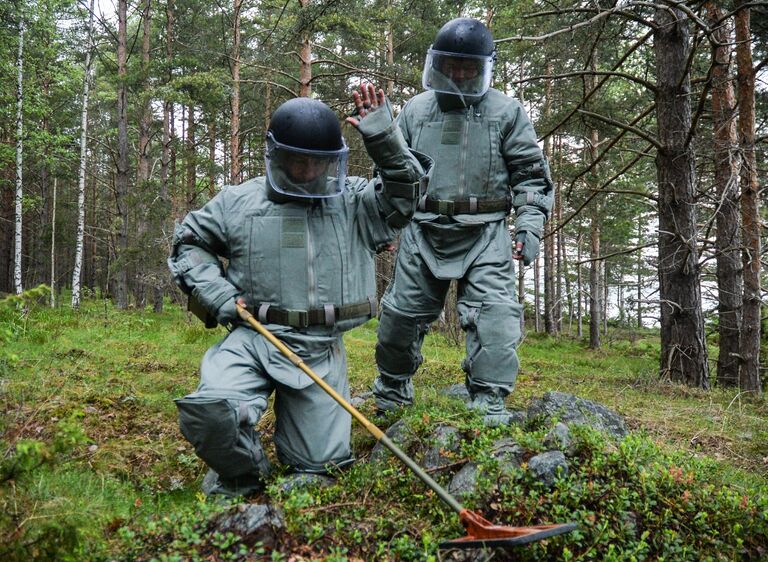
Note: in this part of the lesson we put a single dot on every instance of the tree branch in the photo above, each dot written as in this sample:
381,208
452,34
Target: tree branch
639,132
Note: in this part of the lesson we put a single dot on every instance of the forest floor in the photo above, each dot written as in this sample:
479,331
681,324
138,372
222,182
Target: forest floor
94,467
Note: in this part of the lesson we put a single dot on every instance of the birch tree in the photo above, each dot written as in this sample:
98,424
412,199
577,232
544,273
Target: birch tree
19,158
80,238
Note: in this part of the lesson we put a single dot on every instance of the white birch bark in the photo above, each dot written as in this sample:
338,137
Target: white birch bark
53,245
77,272
19,161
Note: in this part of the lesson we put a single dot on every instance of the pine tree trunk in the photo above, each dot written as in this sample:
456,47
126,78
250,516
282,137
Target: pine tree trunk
390,56
212,157
191,168
749,349
579,289
639,277
143,268
537,295
165,157
234,137
305,57
683,348
121,179
19,160
595,293
549,237
728,241
521,293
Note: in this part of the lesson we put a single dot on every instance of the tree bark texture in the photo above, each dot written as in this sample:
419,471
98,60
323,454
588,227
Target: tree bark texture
683,348
749,349
80,235
19,161
595,293
550,324
727,218
305,59
121,179
234,135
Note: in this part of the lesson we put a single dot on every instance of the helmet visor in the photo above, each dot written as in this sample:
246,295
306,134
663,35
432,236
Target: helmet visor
311,174
457,73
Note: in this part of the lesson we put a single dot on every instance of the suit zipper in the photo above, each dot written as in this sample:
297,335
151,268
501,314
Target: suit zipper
463,162
311,282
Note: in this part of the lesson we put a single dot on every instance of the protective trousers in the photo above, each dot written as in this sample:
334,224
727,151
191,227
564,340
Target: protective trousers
487,307
237,376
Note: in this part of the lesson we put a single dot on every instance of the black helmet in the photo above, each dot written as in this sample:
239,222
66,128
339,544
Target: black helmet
306,155
459,63
464,36
306,123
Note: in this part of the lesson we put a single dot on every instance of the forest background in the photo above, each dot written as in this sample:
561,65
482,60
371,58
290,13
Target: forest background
117,118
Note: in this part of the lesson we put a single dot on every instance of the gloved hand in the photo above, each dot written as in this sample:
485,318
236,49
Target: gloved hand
367,101
227,313
526,247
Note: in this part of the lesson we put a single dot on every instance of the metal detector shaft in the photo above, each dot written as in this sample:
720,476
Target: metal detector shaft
370,427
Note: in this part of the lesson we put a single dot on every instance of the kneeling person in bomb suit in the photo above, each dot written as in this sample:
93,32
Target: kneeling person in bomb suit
300,243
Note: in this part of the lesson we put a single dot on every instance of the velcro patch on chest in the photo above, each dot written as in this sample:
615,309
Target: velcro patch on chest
451,131
293,233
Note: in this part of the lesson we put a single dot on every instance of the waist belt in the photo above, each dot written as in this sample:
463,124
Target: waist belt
471,206
328,315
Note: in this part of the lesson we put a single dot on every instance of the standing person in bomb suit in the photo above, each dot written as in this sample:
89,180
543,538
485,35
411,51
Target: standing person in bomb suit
486,163
300,244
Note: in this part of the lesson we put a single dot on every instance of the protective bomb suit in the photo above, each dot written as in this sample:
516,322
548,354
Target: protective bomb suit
299,244
486,163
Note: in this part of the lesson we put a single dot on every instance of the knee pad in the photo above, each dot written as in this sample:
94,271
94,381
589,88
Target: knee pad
398,349
493,331
223,436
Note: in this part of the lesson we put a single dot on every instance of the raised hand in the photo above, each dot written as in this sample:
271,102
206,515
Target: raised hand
367,100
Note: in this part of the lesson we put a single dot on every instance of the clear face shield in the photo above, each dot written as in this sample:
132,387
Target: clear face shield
457,73
309,174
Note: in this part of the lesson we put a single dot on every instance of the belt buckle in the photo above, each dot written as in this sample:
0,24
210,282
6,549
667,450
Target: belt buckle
298,318
445,207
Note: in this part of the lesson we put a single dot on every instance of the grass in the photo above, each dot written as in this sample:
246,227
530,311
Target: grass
94,467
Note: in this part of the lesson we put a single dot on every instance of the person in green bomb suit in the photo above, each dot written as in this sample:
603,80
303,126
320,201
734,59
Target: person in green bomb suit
300,245
487,162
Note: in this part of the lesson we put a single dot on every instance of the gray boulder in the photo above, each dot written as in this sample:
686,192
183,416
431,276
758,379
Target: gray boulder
252,523
571,409
458,391
445,440
400,434
559,437
464,482
546,467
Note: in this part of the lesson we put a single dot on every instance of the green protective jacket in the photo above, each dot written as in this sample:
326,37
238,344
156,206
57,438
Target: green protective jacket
485,153
299,257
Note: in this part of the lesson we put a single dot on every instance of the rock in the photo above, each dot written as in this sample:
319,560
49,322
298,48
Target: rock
400,434
252,522
546,467
303,479
464,482
559,437
571,409
360,399
507,450
458,391
445,439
